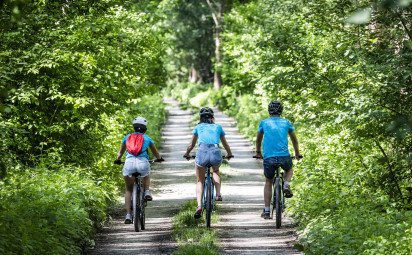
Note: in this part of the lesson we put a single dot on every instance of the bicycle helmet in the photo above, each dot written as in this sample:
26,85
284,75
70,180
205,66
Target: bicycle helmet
275,108
206,112
139,121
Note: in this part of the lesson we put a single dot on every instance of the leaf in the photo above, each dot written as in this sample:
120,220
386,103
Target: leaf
360,17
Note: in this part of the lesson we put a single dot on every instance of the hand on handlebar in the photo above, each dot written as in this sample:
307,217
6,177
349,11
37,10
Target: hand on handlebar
161,159
117,162
228,157
187,156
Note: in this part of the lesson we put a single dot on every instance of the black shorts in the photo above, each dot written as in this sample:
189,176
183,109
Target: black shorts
269,165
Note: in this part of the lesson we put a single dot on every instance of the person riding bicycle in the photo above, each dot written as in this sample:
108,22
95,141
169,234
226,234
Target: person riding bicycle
209,136
274,132
137,161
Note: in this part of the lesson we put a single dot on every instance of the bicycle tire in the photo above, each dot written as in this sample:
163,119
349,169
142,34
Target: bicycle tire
136,207
278,202
142,214
208,203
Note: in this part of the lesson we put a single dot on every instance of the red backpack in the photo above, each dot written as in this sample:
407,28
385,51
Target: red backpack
134,144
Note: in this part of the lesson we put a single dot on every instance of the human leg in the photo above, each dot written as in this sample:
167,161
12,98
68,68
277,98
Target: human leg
200,175
146,186
217,181
129,181
287,166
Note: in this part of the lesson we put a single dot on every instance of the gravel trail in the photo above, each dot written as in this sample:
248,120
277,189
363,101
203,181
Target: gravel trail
241,230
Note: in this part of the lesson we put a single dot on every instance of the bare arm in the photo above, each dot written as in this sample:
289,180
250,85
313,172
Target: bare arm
295,144
121,151
259,138
154,151
226,146
191,146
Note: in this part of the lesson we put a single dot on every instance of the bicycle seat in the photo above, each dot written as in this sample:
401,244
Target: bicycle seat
136,174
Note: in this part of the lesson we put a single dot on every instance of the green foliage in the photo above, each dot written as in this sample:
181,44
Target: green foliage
188,30
69,69
192,235
73,75
45,211
347,89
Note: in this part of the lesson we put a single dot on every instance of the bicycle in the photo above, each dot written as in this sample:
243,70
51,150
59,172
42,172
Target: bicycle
208,194
278,200
138,203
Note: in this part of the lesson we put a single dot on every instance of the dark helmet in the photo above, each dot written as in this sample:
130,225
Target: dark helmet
275,108
206,112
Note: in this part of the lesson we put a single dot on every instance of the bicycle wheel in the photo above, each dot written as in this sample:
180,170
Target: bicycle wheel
208,202
142,213
278,202
136,208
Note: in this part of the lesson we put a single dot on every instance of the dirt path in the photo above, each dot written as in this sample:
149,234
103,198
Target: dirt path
241,229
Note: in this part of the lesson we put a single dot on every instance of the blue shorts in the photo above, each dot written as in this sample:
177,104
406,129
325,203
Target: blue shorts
269,165
136,165
208,154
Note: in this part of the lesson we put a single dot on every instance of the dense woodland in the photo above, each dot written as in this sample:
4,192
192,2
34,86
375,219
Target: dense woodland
74,73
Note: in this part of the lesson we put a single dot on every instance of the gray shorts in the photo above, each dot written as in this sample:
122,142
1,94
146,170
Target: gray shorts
136,165
208,154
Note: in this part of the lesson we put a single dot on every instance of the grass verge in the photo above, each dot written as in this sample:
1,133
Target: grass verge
192,235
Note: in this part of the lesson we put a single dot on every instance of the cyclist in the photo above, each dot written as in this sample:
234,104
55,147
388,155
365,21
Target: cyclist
136,162
209,136
274,132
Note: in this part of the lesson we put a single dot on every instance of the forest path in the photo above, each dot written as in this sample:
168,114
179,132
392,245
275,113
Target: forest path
240,229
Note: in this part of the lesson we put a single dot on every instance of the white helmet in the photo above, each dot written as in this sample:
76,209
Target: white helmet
140,120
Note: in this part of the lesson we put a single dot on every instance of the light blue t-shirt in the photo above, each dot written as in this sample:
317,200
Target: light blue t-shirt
275,138
208,133
147,141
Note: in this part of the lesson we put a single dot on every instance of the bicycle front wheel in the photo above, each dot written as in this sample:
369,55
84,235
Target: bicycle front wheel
136,208
278,202
142,212
208,203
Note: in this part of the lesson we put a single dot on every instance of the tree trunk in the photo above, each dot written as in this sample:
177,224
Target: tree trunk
217,13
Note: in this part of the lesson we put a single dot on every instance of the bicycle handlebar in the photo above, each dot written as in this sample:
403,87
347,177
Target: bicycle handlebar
194,156
293,157
158,160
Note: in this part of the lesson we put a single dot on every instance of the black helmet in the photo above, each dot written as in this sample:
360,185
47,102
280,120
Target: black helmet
275,108
206,112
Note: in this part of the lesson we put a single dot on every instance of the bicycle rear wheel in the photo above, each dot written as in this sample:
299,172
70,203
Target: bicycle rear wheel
208,203
136,208
278,202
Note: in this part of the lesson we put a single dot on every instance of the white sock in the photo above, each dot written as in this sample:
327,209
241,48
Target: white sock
267,209
285,184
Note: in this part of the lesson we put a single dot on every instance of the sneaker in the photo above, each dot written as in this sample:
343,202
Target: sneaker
265,214
148,195
219,198
128,219
287,191
198,213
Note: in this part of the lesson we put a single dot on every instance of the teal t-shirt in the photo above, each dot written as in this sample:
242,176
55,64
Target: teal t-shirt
275,138
147,141
208,133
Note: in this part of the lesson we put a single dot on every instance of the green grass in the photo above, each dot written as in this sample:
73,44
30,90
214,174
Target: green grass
192,235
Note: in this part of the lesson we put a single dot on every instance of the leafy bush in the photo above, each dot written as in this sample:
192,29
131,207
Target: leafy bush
46,212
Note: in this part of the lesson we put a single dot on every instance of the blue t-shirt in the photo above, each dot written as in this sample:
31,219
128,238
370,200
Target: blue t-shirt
147,141
208,133
275,138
